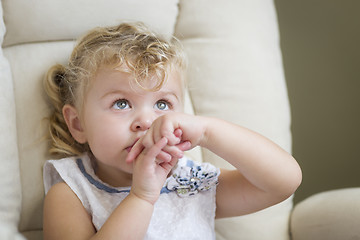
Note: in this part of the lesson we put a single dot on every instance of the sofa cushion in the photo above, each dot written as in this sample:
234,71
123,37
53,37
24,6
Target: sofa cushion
10,199
329,215
39,20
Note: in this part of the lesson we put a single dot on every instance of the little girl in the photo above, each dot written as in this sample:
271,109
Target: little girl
118,125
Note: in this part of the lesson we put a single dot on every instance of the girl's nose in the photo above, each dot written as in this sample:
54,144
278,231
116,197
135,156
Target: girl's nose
142,122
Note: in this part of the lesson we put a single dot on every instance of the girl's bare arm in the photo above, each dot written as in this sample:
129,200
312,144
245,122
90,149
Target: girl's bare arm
265,175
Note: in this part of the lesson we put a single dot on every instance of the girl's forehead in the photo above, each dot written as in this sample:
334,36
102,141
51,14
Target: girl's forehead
110,78
124,73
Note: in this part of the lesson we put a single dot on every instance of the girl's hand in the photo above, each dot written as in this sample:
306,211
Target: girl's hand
182,131
149,175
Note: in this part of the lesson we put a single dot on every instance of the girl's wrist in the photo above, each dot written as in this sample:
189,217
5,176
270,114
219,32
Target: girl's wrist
206,127
146,200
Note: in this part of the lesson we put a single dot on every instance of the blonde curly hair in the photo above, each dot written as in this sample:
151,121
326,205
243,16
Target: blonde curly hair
142,51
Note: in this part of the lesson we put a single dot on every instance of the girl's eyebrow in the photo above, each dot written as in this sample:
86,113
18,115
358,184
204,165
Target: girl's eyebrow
168,93
125,92
113,92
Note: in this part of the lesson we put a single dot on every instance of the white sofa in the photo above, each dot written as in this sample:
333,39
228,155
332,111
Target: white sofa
235,72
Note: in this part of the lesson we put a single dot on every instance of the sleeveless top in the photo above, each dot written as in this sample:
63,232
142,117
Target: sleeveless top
184,210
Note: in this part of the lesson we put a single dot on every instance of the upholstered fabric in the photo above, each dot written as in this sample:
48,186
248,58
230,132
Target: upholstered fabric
53,20
10,196
330,215
235,72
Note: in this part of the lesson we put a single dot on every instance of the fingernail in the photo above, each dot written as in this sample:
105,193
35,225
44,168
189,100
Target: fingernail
180,154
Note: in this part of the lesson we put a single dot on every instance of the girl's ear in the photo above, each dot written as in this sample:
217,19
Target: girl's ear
73,122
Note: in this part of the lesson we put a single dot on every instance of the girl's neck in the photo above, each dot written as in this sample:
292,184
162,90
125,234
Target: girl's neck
111,176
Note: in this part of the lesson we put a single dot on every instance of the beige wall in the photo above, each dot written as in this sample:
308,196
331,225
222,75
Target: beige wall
320,40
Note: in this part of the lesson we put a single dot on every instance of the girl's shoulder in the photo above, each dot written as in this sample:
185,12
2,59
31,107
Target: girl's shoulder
55,171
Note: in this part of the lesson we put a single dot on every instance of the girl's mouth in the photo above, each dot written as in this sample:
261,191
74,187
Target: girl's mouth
128,149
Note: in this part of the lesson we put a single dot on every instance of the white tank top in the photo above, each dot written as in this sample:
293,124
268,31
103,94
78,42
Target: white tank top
184,210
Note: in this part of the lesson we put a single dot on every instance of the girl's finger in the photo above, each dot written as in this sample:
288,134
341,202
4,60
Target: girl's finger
178,133
135,151
169,165
184,146
156,149
163,157
174,151
167,129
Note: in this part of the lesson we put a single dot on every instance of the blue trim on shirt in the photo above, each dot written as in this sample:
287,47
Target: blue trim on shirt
165,190
94,182
102,186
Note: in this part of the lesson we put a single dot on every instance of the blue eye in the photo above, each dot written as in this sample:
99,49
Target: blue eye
162,105
121,104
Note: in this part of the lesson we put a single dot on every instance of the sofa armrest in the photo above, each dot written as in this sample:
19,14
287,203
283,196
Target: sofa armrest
330,215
